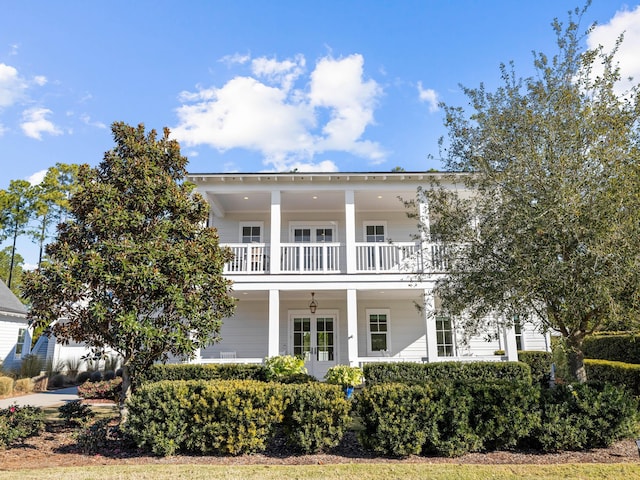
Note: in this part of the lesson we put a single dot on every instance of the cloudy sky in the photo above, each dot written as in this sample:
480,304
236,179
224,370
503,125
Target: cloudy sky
251,85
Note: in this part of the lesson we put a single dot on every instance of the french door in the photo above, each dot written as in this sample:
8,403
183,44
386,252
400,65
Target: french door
314,339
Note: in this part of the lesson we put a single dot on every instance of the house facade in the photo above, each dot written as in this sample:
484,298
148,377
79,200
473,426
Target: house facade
15,334
329,266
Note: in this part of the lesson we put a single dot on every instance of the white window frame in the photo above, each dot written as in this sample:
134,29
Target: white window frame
452,331
378,311
374,223
312,226
251,224
24,347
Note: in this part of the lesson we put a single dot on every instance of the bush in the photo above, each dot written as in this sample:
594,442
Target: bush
315,416
6,385
95,376
345,376
75,413
539,363
296,378
617,373
83,377
95,436
109,375
18,423
24,385
575,417
227,371
72,366
282,366
404,372
223,417
109,389
30,366
58,381
617,348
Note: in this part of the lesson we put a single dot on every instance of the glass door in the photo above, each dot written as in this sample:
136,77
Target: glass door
314,340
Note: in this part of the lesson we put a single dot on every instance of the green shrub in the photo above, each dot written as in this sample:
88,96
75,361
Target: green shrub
296,378
405,372
72,366
58,381
617,348
24,385
75,413
211,371
575,417
345,376
93,437
223,417
616,373
18,423
30,366
282,366
83,377
539,363
108,389
315,417
6,385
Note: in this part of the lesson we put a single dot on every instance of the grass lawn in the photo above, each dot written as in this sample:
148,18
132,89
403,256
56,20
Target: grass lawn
342,472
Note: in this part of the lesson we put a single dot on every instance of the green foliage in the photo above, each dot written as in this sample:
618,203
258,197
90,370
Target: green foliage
626,375
552,224
18,423
75,413
83,377
223,417
16,273
345,376
539,363
406,372
207,371
282,366
6,385
575,417
94,436
618,348
316,416
105,389
30,366
134,268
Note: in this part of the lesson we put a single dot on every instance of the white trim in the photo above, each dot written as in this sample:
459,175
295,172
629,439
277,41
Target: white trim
378,311
291,314
332,224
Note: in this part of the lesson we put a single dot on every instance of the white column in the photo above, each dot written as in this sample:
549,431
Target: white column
274,323
510,344
274,263
430,322
350,233
425,237
352,327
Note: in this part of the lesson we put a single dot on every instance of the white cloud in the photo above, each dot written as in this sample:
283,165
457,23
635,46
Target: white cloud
429,96
266,113
627,22
12,86
40,80
86,119
37,177
35,123
235,59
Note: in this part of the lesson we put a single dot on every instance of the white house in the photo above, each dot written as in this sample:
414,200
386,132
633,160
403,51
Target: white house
15,334
326,267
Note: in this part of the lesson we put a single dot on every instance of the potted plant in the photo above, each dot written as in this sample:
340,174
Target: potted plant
345,376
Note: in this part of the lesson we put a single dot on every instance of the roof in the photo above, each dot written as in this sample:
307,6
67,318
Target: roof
9,303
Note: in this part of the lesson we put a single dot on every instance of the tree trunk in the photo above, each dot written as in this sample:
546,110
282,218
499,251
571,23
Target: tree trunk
575,360
125,394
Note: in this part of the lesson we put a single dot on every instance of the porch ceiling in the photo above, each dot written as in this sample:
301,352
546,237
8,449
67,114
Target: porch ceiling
325,296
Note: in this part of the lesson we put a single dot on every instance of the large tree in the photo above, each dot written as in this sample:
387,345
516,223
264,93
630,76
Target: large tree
134,268
552,229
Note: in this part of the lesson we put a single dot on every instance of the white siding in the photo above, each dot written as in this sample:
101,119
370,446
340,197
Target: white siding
9,327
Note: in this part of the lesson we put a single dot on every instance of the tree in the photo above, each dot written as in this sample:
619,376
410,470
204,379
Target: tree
134,268
5,264
552,229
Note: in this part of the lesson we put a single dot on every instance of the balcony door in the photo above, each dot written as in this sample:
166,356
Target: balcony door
314,257
313,337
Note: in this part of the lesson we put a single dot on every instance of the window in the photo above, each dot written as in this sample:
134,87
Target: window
22,336
517,326
444,336
378,326
251,233
374,233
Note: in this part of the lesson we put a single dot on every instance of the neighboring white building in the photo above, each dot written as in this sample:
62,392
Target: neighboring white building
345,242
15,334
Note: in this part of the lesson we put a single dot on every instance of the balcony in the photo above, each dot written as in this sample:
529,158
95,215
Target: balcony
330,258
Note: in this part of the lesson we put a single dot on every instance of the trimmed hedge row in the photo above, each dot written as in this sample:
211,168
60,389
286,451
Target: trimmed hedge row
416,373
616,373
617,348
457,418
539,362
235,417
207,371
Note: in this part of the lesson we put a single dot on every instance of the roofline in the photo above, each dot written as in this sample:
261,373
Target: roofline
309,176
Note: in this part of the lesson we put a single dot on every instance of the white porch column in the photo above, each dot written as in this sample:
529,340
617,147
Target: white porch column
274,323
350,233
430,322
510,344
274,255
425,236
352,327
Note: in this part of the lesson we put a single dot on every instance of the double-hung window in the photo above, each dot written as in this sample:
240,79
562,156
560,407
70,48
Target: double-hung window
378,329
20,343
444,336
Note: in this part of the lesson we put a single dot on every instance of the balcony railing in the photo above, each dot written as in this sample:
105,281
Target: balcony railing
404,257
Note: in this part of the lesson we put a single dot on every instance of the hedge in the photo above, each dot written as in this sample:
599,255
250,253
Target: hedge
539,362
617,373
235,416
406,372
207,371
617,348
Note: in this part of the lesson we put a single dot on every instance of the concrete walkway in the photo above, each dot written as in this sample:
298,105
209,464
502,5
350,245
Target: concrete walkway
43,399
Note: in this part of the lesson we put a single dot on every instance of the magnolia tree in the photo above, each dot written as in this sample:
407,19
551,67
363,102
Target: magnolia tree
551,231
134,268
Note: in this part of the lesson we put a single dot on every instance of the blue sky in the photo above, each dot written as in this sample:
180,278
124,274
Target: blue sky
252,86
